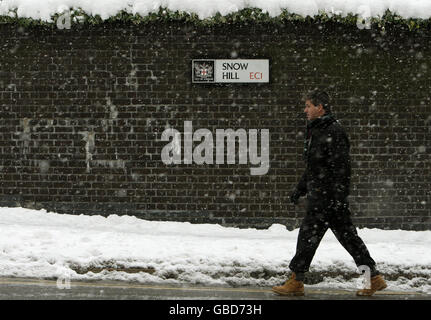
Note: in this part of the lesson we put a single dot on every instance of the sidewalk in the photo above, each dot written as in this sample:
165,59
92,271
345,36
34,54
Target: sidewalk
34,289
37,244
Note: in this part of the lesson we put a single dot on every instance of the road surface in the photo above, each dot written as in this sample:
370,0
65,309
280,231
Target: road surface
36,289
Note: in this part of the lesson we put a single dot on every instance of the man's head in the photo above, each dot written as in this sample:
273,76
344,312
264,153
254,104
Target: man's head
316,104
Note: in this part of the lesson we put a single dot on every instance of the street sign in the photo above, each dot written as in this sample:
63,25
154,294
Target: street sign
230,71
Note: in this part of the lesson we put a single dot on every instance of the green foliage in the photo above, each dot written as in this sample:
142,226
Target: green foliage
245,16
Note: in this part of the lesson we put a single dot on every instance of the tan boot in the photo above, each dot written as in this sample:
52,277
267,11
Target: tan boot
291,287
377,284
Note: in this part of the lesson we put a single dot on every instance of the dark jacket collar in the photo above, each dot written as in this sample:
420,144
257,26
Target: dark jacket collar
323,121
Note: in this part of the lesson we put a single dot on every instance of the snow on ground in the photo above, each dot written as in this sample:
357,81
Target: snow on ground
49,245
44,10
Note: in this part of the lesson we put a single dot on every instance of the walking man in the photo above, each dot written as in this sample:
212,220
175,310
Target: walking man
326,183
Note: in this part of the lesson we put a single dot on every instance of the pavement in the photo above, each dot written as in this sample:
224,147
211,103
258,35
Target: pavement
40,289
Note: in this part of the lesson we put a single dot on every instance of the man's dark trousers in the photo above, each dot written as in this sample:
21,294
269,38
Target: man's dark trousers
320,216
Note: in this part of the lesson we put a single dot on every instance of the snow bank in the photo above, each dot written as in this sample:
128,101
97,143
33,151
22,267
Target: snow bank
49,245
44,10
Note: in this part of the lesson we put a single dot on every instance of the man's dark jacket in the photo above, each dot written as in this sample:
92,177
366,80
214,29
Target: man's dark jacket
326,153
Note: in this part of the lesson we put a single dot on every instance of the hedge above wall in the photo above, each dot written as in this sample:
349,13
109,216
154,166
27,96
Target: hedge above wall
245,16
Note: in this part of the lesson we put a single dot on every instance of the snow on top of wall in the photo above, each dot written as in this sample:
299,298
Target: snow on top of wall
45,9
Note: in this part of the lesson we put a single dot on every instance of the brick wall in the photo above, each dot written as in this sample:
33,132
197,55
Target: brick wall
83,110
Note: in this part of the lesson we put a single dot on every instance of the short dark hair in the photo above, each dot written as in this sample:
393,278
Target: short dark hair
319,97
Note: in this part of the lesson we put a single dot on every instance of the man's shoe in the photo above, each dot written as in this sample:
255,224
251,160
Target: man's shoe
291,287
377,284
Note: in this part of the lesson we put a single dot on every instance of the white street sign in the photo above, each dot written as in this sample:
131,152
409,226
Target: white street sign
230,71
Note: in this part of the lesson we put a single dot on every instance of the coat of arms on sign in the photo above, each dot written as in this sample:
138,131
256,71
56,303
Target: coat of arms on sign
203,71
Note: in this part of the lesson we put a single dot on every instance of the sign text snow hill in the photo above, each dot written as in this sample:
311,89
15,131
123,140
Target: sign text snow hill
230,71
